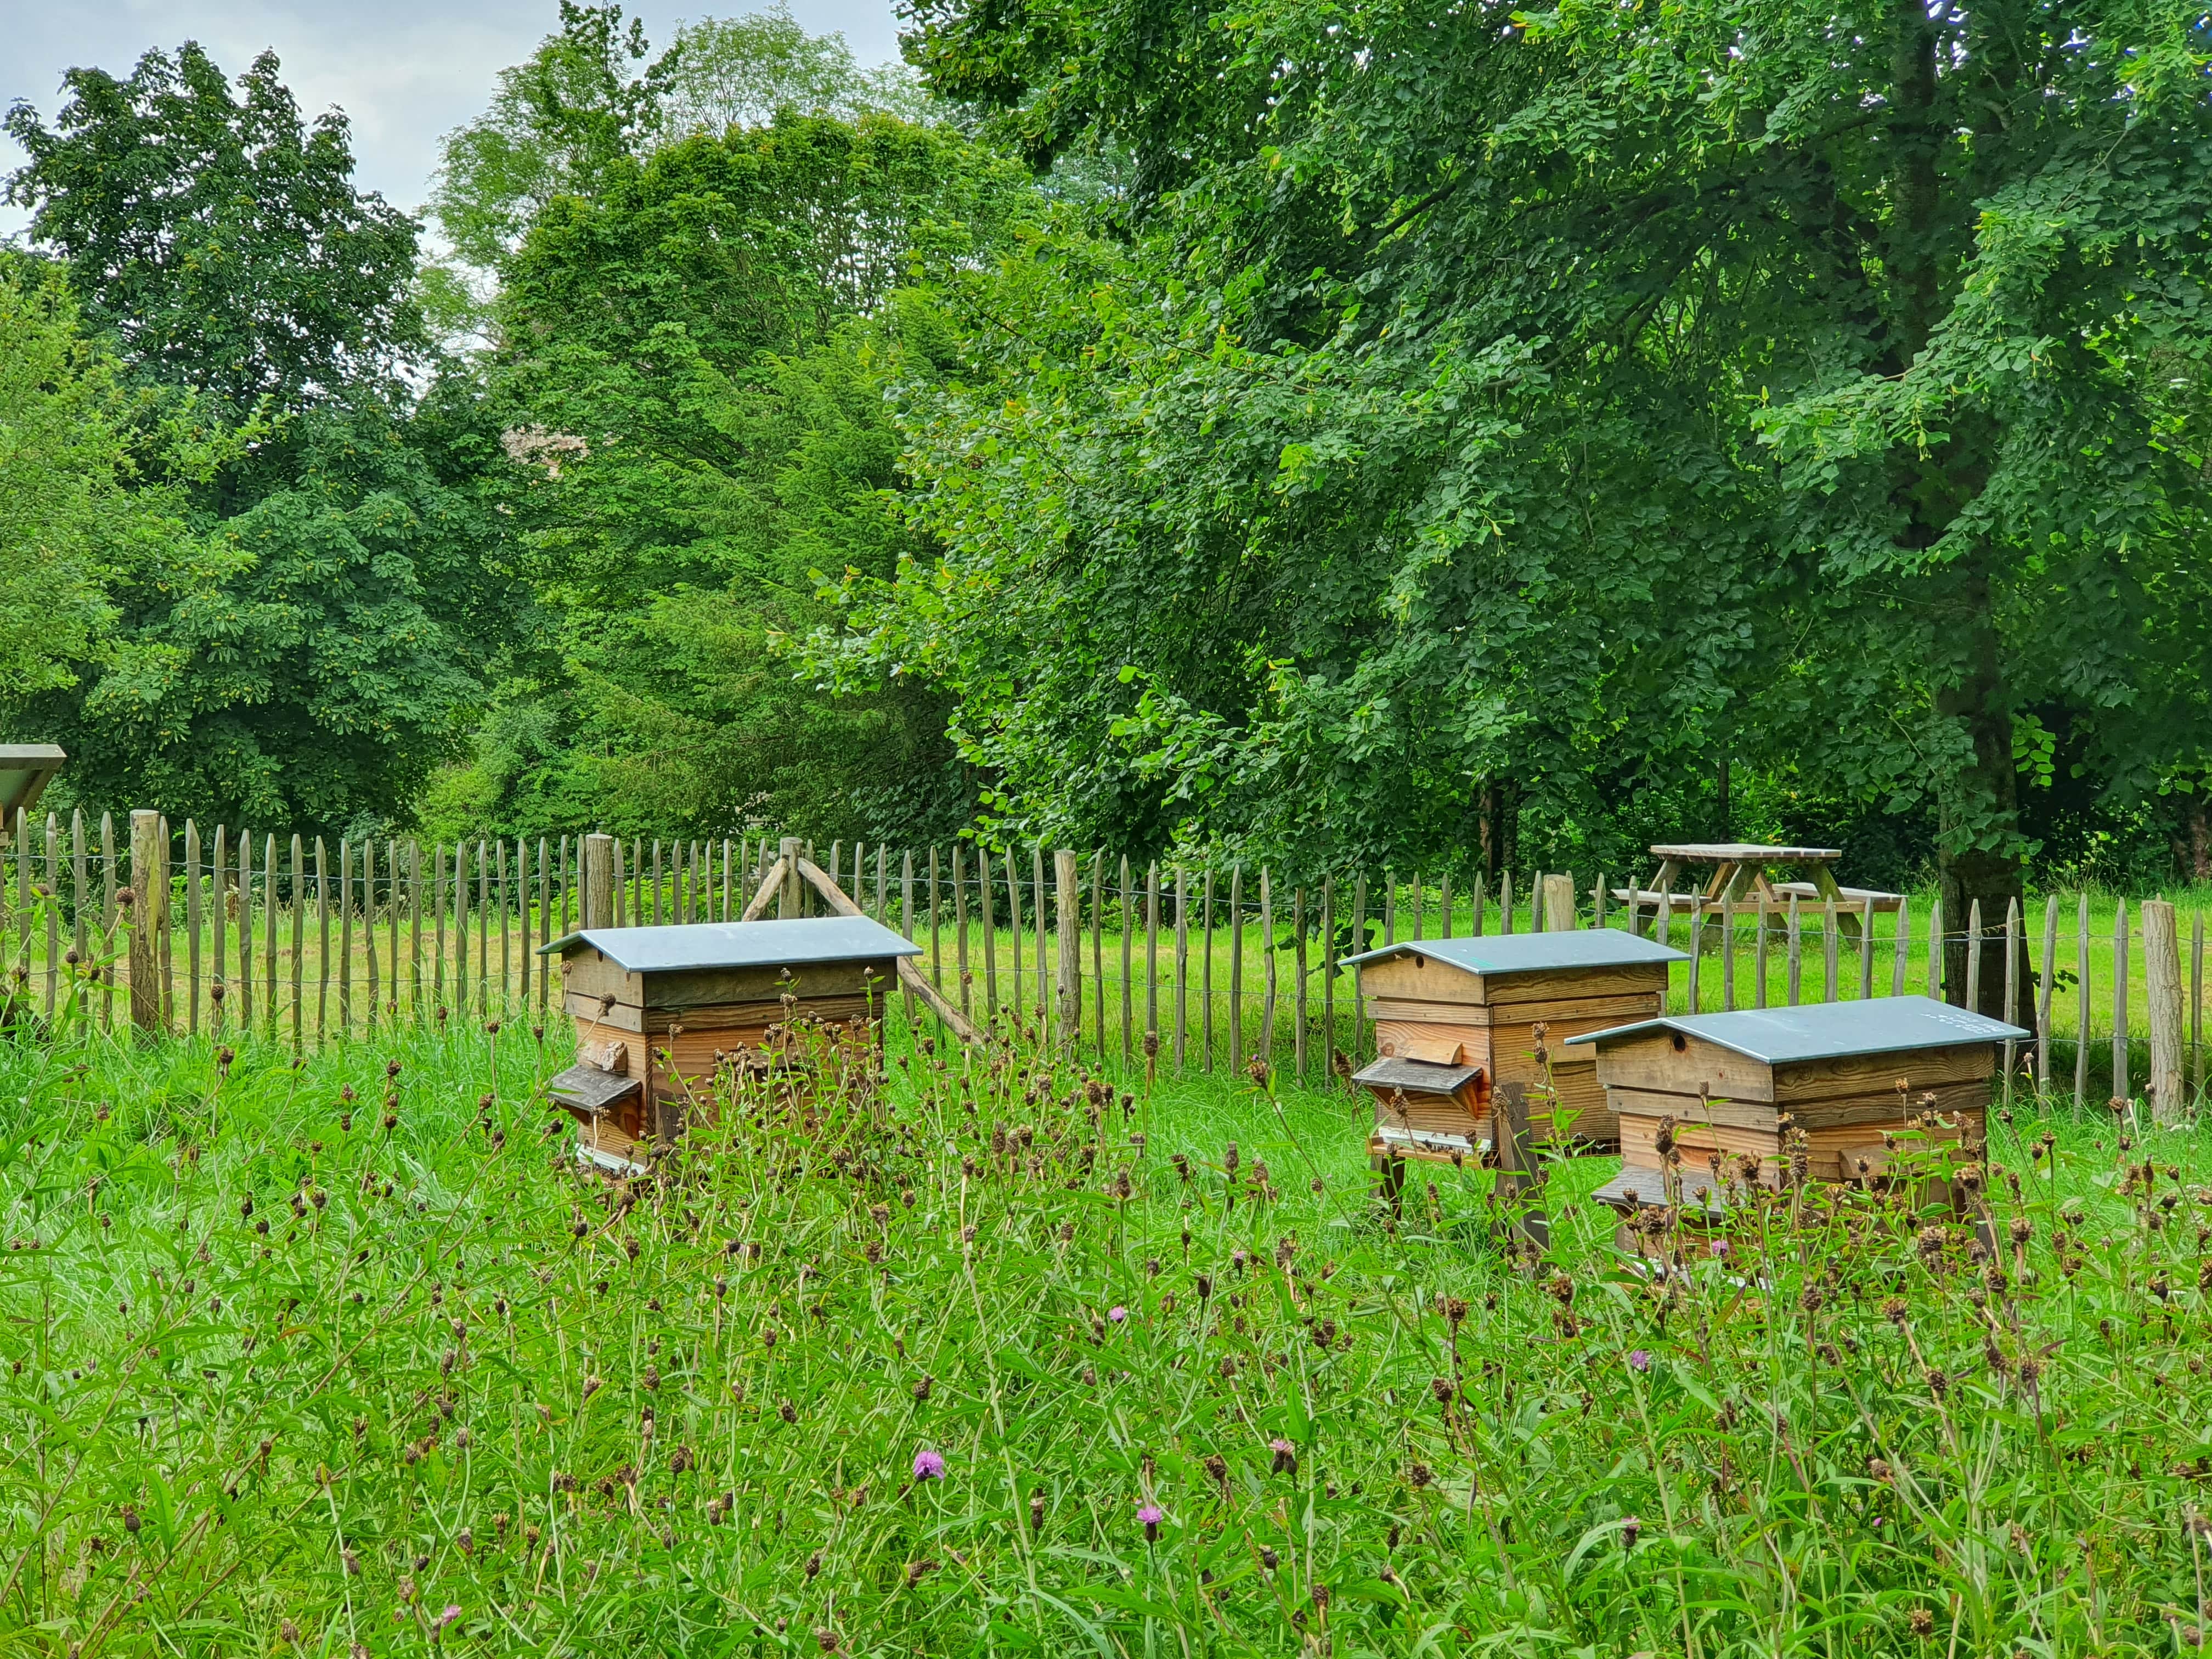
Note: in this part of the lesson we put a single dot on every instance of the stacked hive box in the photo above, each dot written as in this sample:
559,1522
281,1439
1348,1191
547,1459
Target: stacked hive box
1456,1018
659,1011
1844,1073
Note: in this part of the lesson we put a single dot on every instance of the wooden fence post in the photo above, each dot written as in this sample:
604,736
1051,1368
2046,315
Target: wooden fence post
2161,938
598,881
789,901
1559,903
145,903
1067,984
2122,1081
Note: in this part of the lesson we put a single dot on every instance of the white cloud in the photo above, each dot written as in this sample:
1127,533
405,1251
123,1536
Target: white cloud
405,71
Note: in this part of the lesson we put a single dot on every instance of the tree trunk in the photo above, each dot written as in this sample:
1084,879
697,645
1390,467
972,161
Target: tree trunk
1980,814
1496,813
1978,802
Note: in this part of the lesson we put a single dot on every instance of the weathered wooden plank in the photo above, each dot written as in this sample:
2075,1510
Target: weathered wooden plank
111,869
1128,975
323,955
961,971
1014,922
298,895
53,908
906,927
2120,1079
1067,984
1152,961
192,909
2043,991
1098,947
1828,945
486,1002
1298,1000
1328,974
80,896
2196,1000
936,943
1935,981
438,919
990,930
1728,953
145,914
1359,944
270,921
1974,954
1205,970
1181,963
244,933
1235,969
1268,963
1795,967
2161,945
1900,947
1759,943
1041,931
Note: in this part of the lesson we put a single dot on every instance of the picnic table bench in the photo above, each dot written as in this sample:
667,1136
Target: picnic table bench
1741,876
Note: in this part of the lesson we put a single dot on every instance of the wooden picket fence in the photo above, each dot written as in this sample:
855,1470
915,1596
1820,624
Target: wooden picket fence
1190,967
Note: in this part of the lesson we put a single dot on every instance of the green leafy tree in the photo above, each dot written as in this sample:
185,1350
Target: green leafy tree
696,362
71,520
220,240
313,648
594,95
1558,401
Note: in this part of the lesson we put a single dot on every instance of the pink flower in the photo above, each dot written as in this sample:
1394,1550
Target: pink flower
1639,1359
1150,1515
1718,1247
1117,1314
1286,1458
928,1464
452,1611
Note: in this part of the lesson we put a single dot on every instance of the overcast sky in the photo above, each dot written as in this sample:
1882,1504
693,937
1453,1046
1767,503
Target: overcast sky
406,71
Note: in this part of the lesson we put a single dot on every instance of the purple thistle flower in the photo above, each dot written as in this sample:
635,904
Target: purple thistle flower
928,1464
1117,1314
1718,1247
1286,1458
1150,1515
1639,1359
452,1611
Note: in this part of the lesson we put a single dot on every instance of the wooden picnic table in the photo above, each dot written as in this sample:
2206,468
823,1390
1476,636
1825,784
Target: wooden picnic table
1740,874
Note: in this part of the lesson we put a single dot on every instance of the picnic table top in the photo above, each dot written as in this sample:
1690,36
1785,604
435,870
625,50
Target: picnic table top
1742,852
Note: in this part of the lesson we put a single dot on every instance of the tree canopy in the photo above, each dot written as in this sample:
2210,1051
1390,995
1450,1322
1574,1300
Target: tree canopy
1483,401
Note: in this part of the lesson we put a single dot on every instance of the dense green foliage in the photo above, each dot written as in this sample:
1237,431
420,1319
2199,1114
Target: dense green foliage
1457,436
1556,404
69,520
693,360
307,652
340,1357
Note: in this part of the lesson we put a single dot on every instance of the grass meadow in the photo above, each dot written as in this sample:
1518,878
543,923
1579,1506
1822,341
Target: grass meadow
344,1355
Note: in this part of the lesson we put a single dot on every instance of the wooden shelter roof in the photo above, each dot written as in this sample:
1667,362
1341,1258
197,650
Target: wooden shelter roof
1521,953
1827,1030
25,770
739,943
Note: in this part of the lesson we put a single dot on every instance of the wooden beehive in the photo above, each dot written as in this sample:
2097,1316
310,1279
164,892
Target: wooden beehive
660,1011
1446,1006
1737,1083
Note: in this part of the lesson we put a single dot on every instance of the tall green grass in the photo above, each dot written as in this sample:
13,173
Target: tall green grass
275,1375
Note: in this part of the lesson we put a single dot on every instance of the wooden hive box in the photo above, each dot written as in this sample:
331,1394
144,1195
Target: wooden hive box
1832,1069
1446,1006
659,1011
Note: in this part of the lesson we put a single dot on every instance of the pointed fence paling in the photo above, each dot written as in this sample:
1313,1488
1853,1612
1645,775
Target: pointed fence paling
1195,966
